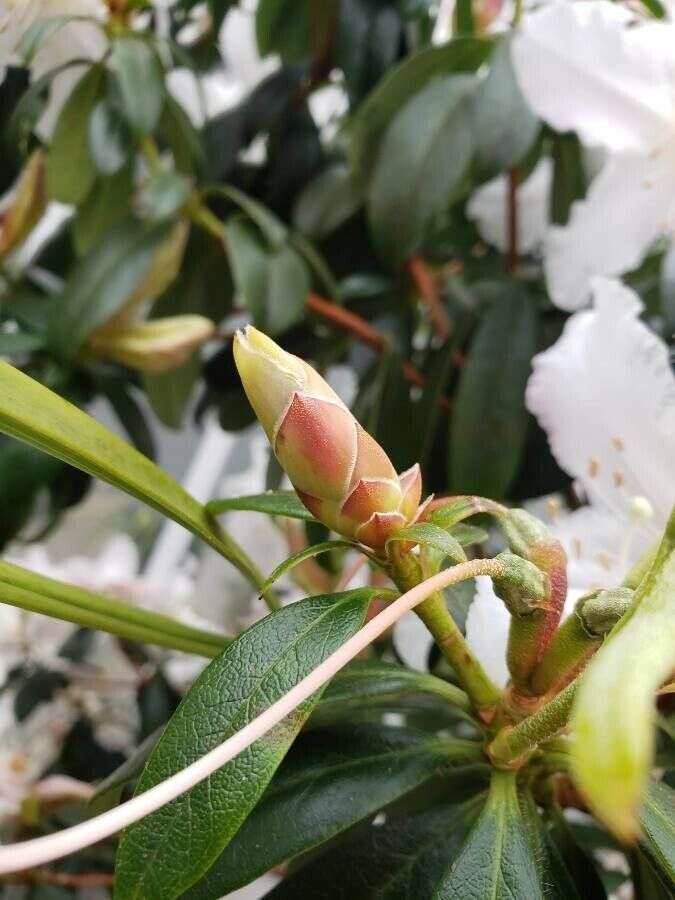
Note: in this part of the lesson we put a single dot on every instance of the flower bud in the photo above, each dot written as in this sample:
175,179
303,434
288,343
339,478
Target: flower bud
27,206
340,473
153,346
523,588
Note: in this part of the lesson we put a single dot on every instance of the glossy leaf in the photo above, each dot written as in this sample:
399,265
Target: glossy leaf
159,858
139,80
272,228
109,138
427,535
107,205
103,281
404,858
497,860
504,126
464,54
69,169
274,503
326,202
34,414
614,740
431,141
488,425
331,780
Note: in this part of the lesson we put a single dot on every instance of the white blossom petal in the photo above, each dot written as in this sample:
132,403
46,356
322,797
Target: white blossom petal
628,206
487,630
582,69
605,394
488,208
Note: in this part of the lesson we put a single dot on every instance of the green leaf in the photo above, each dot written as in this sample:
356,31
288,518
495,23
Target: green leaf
497,860
34,414
302,555
427,535
464,54
331,780
291,29
555,879
368,44
121,397
138,77
274,503
159,858
404,858
465,23
657,819
488,425
178,132
102,282
614,740
163,196
109,138
69,169
380,684
326,202
569,176
274,284
466,535
272,228
108,204
504,126
430,140
169,392
16,343
109,792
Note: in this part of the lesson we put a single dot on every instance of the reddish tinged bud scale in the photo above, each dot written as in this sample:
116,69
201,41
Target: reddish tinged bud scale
340,473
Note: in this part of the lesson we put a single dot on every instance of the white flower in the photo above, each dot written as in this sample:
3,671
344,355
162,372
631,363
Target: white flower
589,67
605,394
488,208
75,40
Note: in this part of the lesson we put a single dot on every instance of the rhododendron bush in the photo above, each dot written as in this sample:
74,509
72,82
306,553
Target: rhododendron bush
337,449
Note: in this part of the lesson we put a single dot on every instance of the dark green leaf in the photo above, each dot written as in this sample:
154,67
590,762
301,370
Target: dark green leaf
658,827
488,425
556,881
294,31
127,410
368,43
109,792
158,858
272,228
274,284
326,202
274,503
569,176
331,780
463,54
178,132
16,343
109,138
106,207
427,535
400,860
39,687
139,79
431,141
465,23
504,126
70,170
169,392
497,860
102,282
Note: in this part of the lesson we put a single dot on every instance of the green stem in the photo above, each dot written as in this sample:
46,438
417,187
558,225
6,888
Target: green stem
87,618
514,742
406,573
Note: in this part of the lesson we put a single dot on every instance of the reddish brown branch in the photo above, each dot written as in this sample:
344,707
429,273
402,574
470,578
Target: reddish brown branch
64,879
512,221
426,285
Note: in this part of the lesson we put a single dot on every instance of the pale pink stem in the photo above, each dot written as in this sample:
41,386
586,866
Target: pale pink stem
38,851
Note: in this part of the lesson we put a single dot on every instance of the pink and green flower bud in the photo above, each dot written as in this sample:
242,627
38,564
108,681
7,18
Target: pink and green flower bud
340,473
157,345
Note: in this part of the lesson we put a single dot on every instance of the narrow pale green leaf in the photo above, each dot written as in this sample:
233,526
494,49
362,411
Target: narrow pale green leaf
427,535
163,855
331,780
453,512
34,414
657,819
497,860
139,79
27,590
274,503
69,169
302,555
613,714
